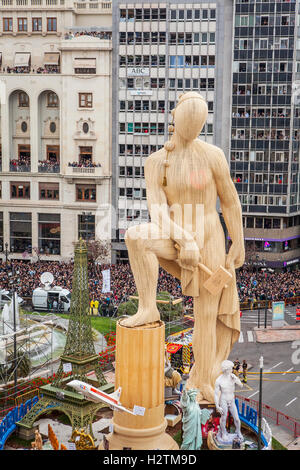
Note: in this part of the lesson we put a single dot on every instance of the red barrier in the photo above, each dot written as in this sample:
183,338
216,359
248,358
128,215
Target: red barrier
279,418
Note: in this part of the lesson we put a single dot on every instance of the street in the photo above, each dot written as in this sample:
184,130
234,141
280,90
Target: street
281,389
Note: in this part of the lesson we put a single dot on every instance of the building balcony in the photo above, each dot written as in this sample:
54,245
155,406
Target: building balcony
85,171
48,167
19,166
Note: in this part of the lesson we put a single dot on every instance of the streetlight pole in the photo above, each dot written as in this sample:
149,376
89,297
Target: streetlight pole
261,364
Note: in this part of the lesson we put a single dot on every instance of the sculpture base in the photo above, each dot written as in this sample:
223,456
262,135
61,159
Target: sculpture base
136,439
213,444
140,353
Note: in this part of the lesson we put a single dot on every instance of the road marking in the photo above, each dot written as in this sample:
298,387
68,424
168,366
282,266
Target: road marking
276,365
291,401
253,394
288,370
250,336
241,338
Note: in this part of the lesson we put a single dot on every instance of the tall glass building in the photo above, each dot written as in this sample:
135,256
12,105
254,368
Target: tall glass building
264,156
161,50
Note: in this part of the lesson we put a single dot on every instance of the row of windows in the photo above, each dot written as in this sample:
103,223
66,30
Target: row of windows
274,112
252,156
146,105
142,128
265,20
135,193
50,191
131,171
174,61
262,67
258,200
49,232
271,246
270,222
273,134
155,14
262,89
131,150
264,43
133,214
153,128
161,38
202,83
261,178
36,24
85,100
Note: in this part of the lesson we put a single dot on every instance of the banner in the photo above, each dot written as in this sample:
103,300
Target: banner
277,313
106,281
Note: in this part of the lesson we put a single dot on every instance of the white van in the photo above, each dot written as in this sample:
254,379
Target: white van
55,299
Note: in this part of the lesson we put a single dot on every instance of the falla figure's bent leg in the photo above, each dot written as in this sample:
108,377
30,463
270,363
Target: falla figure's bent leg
204,343
144,247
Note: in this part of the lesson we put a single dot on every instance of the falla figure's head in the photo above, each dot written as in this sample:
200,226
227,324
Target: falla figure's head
190,115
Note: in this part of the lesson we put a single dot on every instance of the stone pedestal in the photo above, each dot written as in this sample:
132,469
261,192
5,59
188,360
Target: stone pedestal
140,373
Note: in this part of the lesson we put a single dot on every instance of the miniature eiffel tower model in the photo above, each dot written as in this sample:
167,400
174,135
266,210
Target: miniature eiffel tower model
79,358
79,349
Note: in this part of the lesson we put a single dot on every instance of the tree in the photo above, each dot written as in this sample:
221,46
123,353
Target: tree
98,251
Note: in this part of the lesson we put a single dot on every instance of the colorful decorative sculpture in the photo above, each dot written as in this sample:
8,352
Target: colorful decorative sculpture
193,418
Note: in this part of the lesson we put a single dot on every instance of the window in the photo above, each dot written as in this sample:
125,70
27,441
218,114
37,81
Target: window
7,24
49,233
51,24
22,24
36,24
49,191
52,152
86,192
86,226
52,100
20,232
85,155
85,100
23,100
20,190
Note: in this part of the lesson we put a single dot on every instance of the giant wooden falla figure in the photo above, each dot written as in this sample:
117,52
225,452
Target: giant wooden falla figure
185,237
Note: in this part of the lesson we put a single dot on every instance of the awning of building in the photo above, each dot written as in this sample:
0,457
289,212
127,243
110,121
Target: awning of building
22,59
85,63
51,58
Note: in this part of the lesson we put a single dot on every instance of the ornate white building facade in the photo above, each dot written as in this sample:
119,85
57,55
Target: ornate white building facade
55,90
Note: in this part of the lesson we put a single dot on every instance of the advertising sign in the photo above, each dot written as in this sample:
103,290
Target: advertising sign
277,313
138,72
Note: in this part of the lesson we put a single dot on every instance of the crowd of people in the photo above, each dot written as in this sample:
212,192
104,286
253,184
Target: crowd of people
32,69
95,34
20,164
252,286
48,166
84,164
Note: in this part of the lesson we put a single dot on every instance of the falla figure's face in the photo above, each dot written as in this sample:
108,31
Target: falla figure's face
190,115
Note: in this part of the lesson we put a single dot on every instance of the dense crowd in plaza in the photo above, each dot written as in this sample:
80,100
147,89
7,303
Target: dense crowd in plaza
251,285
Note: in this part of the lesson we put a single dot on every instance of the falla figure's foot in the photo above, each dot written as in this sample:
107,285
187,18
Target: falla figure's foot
142,317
